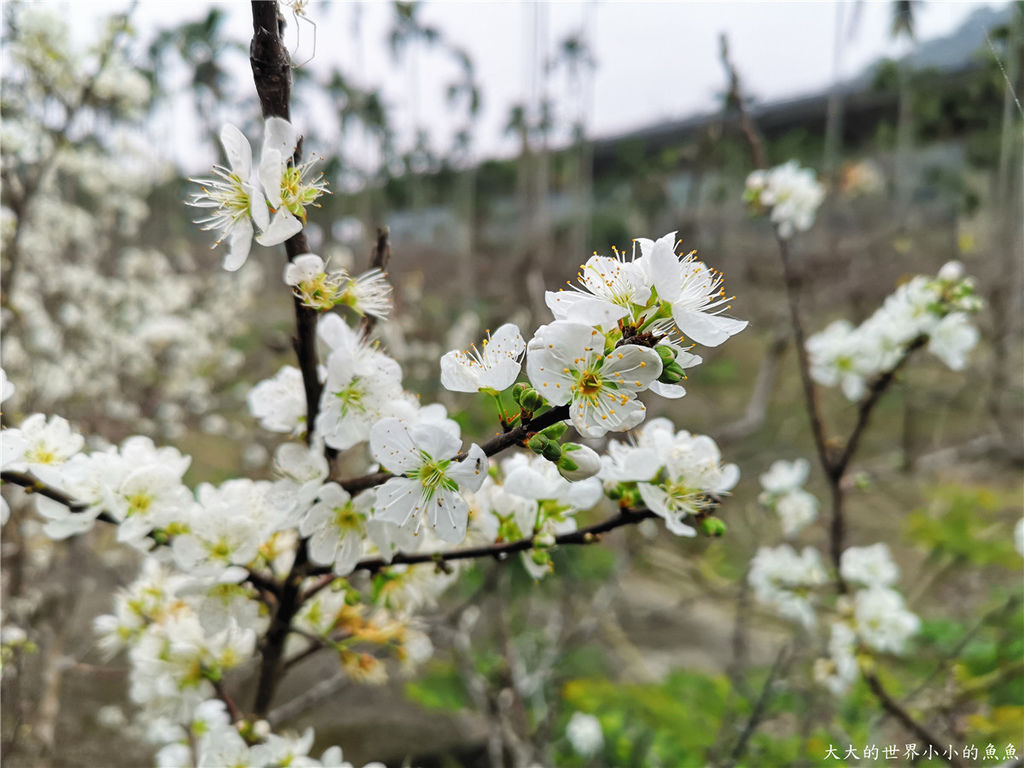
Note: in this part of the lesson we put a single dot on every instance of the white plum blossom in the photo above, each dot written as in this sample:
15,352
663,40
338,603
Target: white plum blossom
6,386
1018,537
784,580
430,478
236,201
240,195
952,339
611,290
790,193
363,384
584,734
692,472
835,359
783,492
840,670
41,446
882,620
368,294
311,283
493,367
692,290
922,309
279,403
782,477
337,526
587,461
796,510
567,364
871,566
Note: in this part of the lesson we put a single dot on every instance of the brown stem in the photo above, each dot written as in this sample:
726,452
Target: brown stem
271,71
379,260
868,403
792,282
734,98
890,705
499,551
495,445
222,694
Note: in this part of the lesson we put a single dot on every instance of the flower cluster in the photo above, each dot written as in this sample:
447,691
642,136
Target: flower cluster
785,580
273,195
368,294
789,194
783,493
937,310
674,474
98,327
875,617
211,739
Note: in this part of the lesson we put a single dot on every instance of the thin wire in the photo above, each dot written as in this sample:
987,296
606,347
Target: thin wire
1006,77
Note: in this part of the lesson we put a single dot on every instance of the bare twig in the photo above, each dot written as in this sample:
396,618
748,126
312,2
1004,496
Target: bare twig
495,445
792,282
500,551
734,98
379,260
781,665
893,707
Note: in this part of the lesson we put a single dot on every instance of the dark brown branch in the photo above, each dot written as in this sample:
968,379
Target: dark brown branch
500,551
734,98
792,282
781,665
271,71
233,711
890,705
868,403
495,445
378,260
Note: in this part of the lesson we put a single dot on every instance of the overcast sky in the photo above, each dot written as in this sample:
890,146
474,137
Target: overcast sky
655,60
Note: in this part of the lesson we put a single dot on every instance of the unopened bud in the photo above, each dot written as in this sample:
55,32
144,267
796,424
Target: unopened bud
531,400
712,526
555,431
544,540
585,462
672,374
552,451
951,272
537,443
666,353
518,389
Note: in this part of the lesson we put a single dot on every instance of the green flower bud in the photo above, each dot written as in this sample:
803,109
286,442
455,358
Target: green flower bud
531,400
537,443
672,374
555,431
666,353
552,451
712,526
518,389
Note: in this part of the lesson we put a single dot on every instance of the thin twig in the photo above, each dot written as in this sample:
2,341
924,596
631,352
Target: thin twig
222,694
890,705
379,260
782,661
734,98
495,445
499,551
